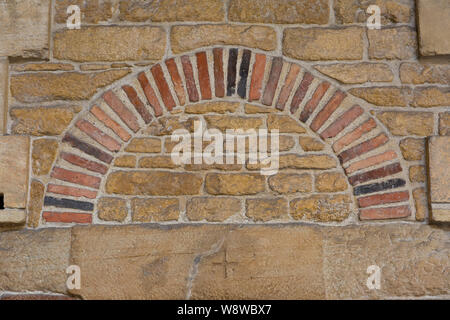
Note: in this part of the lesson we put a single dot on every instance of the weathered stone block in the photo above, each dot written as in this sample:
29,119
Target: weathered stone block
323,208
155,209
433,25
439,162
267,209
112,209
392,43
212,209
358,73
43,155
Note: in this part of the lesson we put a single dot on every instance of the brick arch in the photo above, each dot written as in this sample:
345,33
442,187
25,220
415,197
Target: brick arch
369,158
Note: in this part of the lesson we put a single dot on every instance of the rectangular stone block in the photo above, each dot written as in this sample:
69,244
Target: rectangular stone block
14,169
24,26
434,23
439,177
3,94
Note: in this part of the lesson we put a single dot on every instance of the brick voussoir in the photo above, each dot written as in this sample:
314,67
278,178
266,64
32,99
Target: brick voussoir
243,73
121,110
150,94
68,204
354,135
301,91
110,123
71,191
92,131
379,199
257,77
138,104
289,82
189,77
328,110
363,148
84,163
312,104
232,69
76,177
67,217
203,75
163,87
219,85
272,83
375,174
176,80
342,122
379,186
385,213
88,149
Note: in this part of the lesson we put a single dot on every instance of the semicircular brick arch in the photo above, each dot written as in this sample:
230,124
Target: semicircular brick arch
369,159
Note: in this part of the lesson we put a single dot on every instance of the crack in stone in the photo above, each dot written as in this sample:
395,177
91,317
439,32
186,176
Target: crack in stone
194,269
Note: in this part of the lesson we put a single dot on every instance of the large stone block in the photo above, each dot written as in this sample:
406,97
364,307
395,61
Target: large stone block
24,26
434,23
3,94
34,260
14,170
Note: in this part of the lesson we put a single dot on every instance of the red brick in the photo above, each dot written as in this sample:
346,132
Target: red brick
218,73
328,110
150,94
138,104
257,77
176,80
190,81
110,123
272,83
385,213
123,112
203,75
375,174
363,147
311,105
84,163
72,191
67,217
76,177
301,91
87,148
384,198
371,161
354,135
98,135
289,82
163,87
342,122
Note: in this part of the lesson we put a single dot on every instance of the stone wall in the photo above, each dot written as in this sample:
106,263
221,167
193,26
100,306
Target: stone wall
355,109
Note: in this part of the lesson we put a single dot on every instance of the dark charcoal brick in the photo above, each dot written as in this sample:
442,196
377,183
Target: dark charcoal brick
68,204
88,149
380,186
231,79
243,73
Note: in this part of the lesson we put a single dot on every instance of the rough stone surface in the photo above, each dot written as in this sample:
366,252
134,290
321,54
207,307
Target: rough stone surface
431,97
35,203
323,44
154,183
112,209
229,122
294,161
34,260
43,155
439,157
172,10
212,209
14,170
44,86
41,121
234,184
444,124
42,67
284,11
25,28
417,174
155,209
384,96
213,107
351,11
433,26
421,203
3,96
263,210
144,145
91,11
413,149
186,38
110,44
417,73
357,73
310,144
407,123
290,183
125,162
392,43
285,124
323,208
331,182
12,217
